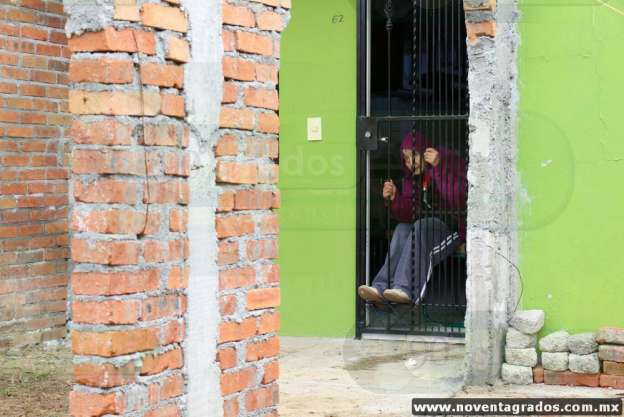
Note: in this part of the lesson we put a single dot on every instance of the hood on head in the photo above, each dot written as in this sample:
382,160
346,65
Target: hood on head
410,142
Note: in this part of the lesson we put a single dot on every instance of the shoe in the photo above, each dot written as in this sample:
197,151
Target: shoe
398,296
370,294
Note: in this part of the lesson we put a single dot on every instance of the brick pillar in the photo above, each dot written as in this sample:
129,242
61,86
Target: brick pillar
129,192
246,223
33,172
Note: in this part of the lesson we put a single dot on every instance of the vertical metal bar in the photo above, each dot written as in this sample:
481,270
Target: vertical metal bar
388,11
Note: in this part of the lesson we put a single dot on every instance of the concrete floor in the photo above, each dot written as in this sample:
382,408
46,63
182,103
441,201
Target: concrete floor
349,378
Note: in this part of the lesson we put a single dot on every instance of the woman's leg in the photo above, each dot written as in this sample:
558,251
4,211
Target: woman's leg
432,243
382,280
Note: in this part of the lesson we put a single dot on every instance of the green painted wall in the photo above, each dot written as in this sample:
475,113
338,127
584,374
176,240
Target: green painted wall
317,179
571,161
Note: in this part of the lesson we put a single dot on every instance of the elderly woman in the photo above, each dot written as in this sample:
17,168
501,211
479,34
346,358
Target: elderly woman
440,178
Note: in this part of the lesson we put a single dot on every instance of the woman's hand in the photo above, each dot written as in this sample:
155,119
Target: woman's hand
389,190
432,157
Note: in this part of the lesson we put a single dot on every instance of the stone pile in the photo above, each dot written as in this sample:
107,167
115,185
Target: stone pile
585,359
570,359
520,348
611,352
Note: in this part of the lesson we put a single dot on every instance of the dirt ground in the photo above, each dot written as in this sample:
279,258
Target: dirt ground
35,382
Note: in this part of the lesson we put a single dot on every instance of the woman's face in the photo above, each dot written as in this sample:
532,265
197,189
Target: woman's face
413,161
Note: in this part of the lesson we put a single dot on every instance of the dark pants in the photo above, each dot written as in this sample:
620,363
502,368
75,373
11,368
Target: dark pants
433,243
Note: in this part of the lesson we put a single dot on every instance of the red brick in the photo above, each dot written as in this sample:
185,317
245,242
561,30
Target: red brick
228,305
170,410
266,73
225,201
261,249
104,375
259,148
228,226
105,252
82,404
227,253
178,220
109,221
271,372
231,407
538,375
269,224
269,323
230,93
114,343
253,43
229,40
111,40
237,15
169,387
480,29
106,312
172,105
163,17
226,358
227,145
232,382
268,123
178,49
613,368
268,20
263,298
238,69
262,98
236,173
107,132
261,398
154,308
612,381
157,363
162,75
104,70
253,200
107,191
236,278
262,350
162,135
231,331
117,103
243,119
163,192
178,278
571,379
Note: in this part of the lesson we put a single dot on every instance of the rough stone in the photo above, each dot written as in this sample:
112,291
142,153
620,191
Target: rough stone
517,340
555,361
528,321
519,375
583,343
521,357
584,364
555,342
610,335
611,353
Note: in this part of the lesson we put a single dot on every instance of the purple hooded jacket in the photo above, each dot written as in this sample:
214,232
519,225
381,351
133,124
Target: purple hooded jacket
449,179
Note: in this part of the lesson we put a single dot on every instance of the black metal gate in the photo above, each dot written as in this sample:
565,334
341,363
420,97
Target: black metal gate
412,106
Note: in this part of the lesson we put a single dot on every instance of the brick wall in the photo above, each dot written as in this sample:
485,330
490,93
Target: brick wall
129,215
33,173
246,223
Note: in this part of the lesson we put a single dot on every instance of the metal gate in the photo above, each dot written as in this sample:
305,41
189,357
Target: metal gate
413,103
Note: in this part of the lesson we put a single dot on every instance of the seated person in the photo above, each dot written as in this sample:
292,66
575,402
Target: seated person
440,178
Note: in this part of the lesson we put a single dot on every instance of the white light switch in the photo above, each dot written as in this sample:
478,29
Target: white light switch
315,129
